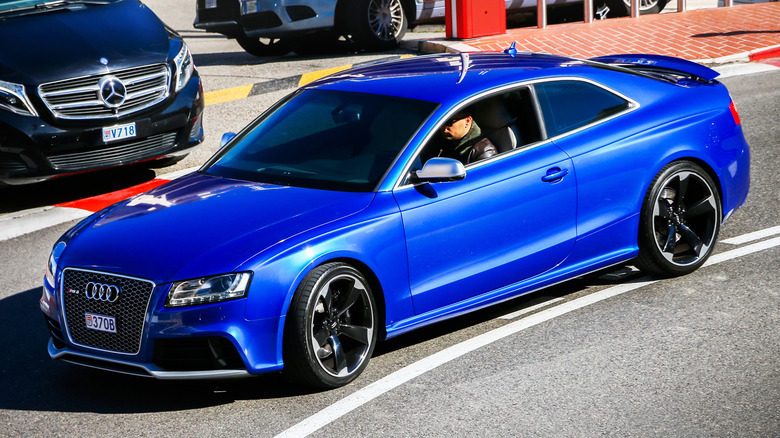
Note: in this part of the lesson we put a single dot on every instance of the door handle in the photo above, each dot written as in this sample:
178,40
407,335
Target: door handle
555,174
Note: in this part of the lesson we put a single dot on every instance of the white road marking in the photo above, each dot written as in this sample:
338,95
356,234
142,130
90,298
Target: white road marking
27,221
393,380
739,69
750,237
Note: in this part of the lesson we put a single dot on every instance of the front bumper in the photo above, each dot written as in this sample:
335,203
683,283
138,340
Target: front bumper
212,341
265,18
34,149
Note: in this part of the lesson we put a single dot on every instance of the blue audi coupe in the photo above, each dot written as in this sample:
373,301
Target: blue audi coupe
340,217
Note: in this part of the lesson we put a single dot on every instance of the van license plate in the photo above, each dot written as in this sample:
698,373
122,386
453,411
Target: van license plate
119,132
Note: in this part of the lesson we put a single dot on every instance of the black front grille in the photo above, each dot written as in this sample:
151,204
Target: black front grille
129,310
56,332
196,354
115,155
298,13
262,20
10,163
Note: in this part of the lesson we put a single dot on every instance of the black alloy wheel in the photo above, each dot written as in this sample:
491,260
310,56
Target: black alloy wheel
331,328
376,24
680,220
645,7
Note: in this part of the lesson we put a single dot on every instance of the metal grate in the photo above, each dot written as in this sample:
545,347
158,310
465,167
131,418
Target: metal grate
129,310
79,98
116,155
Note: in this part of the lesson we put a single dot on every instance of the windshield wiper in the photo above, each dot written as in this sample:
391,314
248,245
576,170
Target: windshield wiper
58,3
42,7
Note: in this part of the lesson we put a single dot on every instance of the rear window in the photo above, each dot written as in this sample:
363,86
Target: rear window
569,105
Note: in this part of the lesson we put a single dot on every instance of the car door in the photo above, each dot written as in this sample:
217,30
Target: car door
511,218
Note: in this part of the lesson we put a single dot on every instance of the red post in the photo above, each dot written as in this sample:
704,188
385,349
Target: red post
475,18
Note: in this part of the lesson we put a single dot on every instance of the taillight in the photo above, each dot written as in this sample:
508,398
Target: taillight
734,113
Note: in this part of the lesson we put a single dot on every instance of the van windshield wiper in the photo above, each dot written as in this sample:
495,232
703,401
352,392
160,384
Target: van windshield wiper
45,7
58,3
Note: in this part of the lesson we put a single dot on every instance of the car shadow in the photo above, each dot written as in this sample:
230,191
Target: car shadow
34,382
71,188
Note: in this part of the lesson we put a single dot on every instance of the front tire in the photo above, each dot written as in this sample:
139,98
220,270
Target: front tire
331,327
680,220
376,24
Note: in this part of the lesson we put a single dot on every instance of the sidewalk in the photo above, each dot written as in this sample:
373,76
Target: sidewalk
709,36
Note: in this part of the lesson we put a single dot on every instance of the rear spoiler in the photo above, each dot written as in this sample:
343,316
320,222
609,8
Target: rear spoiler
651,62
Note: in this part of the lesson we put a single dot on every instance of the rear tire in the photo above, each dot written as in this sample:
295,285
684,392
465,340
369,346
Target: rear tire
622,8
376,24
680,220
331,327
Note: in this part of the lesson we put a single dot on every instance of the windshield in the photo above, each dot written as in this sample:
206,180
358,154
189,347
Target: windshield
333,140
17,5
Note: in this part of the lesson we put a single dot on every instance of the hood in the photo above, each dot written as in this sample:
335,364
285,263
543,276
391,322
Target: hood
201,225
69,42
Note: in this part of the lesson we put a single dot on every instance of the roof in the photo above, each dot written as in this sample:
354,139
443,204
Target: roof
447,77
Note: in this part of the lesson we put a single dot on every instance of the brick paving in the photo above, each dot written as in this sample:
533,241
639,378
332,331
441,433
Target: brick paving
704,35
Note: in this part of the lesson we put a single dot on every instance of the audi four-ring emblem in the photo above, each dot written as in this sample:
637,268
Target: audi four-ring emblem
102,292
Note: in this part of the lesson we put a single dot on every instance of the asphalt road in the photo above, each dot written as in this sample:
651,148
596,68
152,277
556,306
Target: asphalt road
687,357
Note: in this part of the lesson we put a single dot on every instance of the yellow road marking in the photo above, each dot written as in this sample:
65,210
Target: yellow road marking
313,76
227,94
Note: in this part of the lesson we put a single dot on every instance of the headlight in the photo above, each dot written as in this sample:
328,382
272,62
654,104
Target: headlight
51,266
14,99
184,66
208,289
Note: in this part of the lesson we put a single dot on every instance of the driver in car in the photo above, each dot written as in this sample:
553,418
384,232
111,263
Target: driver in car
463,140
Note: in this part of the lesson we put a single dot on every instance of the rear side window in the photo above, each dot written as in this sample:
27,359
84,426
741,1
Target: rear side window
568,105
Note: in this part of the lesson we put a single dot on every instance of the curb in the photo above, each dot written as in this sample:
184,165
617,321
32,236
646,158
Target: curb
447,46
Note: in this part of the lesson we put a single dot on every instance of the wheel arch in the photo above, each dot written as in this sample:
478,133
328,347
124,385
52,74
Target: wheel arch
706,166
365,270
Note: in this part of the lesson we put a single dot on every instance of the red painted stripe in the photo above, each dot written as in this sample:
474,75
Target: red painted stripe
767,54
97,203
773,61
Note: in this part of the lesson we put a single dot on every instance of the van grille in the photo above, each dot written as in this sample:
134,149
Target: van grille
79,98
116,155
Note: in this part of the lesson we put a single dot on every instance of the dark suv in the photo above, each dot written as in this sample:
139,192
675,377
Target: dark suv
86,85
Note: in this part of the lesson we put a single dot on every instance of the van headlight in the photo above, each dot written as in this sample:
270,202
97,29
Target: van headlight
13,98
184,66
208,289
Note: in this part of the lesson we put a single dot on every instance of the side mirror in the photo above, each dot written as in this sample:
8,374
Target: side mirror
226,137
440,169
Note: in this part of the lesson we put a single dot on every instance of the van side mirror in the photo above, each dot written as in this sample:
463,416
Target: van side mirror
440,169
226,137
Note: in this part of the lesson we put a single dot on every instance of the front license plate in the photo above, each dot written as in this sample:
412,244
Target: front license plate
119,132
102,323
